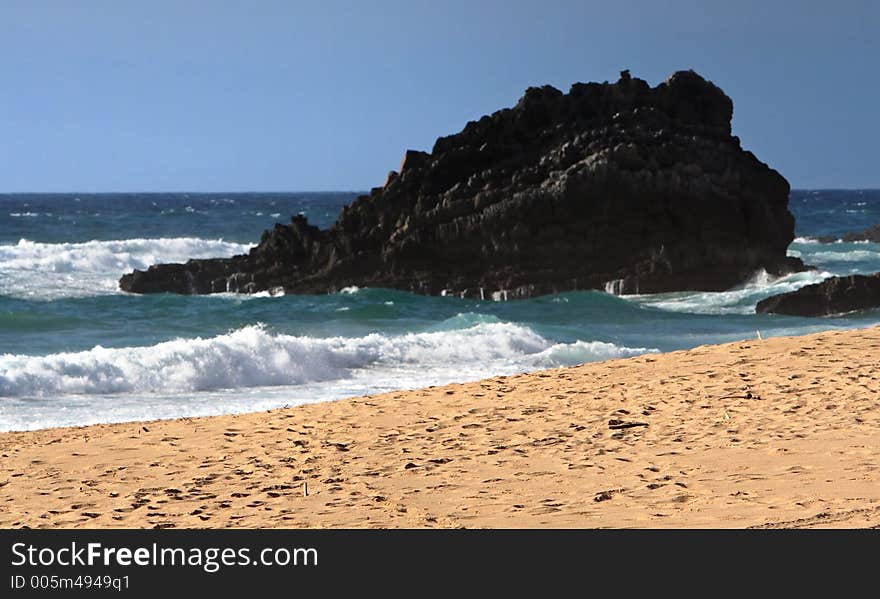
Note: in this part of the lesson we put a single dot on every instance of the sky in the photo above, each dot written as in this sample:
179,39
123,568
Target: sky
264,95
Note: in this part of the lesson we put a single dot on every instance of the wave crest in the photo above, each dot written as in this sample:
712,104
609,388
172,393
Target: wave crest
254,357
739,300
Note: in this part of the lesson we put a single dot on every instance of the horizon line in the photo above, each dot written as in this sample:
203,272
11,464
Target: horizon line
233,191
268,192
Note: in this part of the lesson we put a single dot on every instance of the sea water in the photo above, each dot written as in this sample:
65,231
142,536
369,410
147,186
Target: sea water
75,350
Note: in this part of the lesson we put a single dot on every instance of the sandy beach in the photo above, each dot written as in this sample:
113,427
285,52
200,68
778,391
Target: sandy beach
783,432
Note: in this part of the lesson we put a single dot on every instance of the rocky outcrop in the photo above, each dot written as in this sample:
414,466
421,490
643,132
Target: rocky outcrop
872,234
835,295
616,186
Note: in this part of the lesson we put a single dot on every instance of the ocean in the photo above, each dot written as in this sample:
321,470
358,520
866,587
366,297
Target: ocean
75,350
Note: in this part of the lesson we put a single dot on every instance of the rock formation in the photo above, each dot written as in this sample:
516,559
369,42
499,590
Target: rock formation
835,295
616,186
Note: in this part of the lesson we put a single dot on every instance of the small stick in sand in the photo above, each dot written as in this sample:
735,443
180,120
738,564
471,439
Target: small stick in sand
748,395
305,488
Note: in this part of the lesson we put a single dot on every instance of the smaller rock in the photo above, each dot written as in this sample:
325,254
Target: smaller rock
835,295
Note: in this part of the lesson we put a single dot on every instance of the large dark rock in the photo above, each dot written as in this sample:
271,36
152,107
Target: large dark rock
835,295
872,234
617,186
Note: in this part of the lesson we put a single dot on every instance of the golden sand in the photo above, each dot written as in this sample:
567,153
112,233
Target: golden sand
777,433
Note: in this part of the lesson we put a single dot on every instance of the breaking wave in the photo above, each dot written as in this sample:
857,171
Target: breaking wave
255,357
51,270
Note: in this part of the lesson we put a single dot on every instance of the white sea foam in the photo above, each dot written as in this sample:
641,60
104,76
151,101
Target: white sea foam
806,240
255,357
834,255
50,270
567,354
814,241
274,292
739,300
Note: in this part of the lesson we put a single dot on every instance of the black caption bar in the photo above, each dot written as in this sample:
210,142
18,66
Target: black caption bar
137,562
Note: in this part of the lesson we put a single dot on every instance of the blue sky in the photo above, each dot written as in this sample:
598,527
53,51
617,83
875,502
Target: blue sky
262,95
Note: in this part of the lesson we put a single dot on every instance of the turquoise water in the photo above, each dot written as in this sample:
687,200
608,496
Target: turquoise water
74,350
